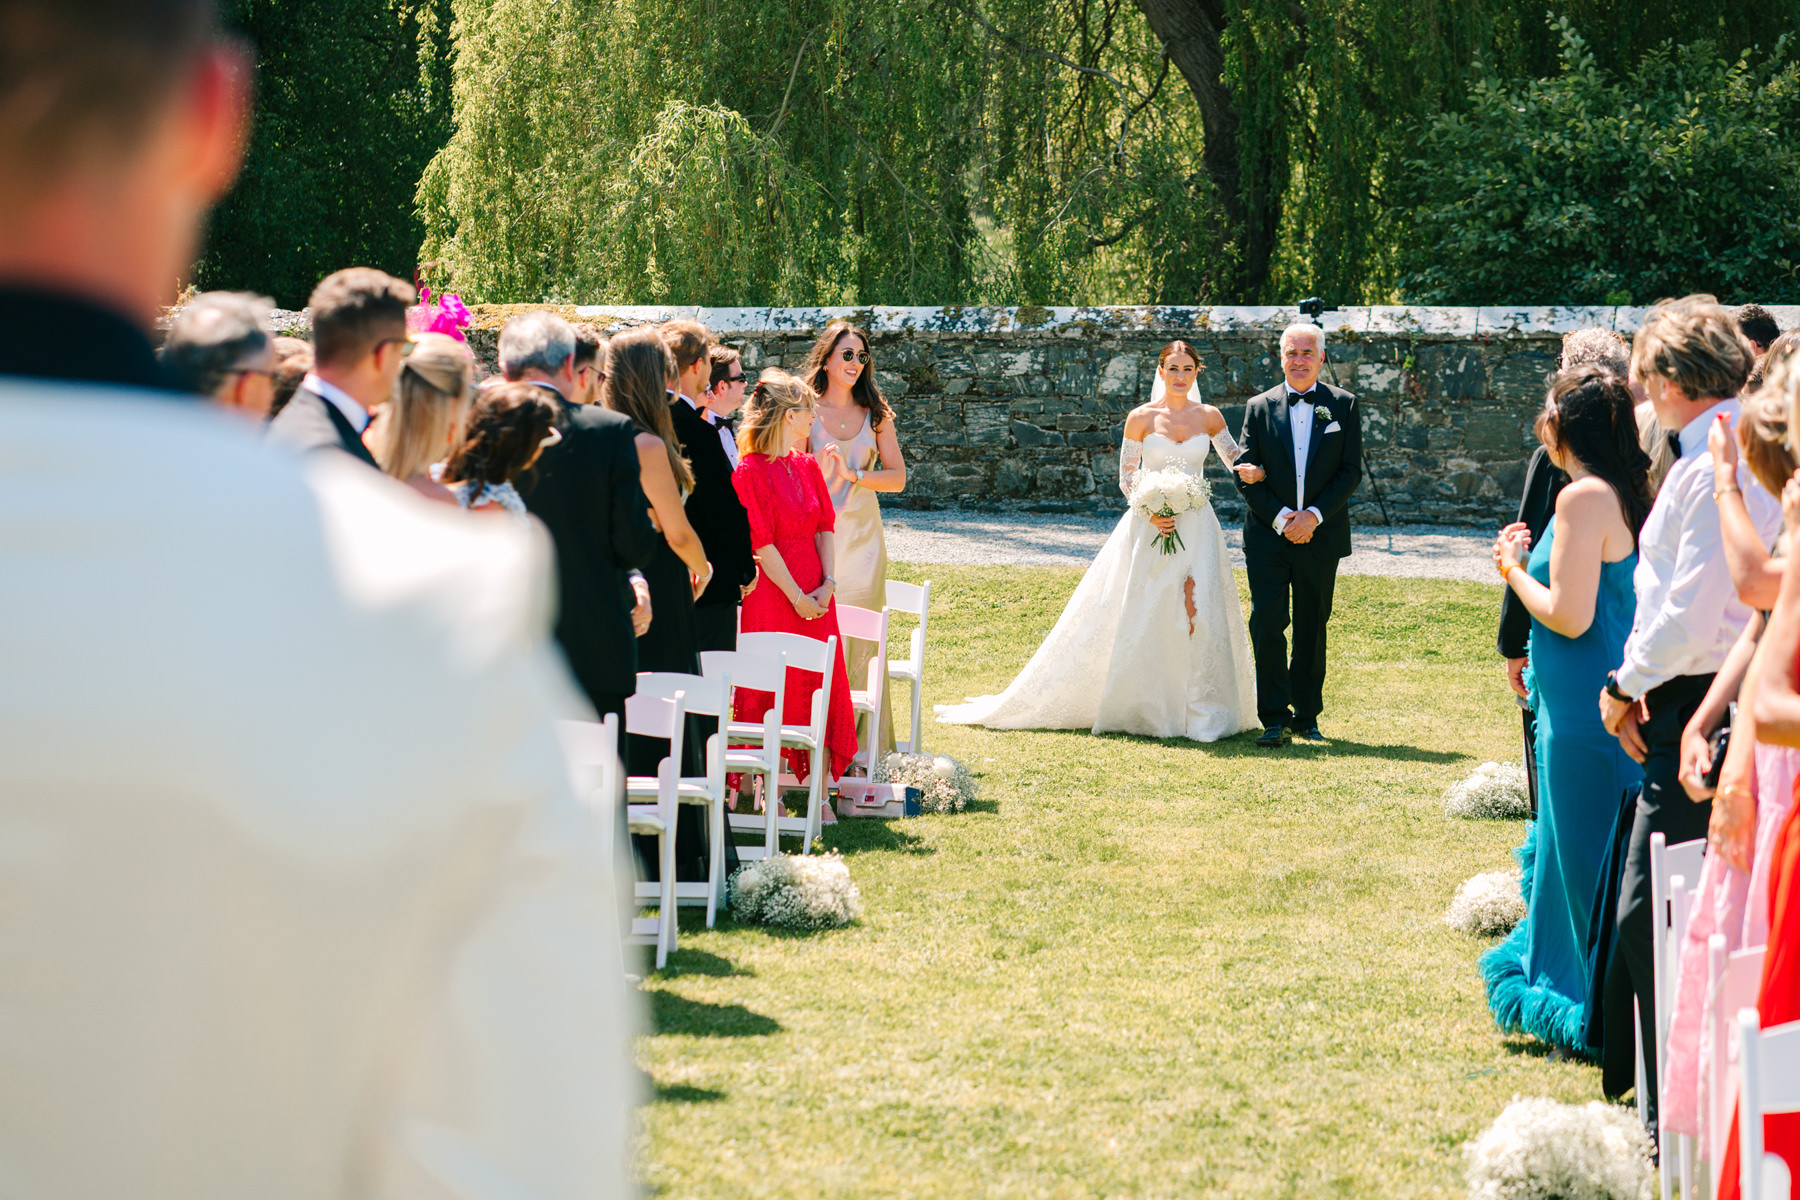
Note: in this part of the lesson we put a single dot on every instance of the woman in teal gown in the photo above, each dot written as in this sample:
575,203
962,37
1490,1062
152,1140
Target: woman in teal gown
1581,602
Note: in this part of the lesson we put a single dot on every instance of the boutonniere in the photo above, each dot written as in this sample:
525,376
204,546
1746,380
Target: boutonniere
1322,413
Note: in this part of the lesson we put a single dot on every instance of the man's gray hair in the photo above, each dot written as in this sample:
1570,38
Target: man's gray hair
1601,346
536,341
215,334
1306,327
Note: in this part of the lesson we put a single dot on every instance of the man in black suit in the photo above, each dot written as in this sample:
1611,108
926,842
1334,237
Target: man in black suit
713,507
1307,436
359,346
585,489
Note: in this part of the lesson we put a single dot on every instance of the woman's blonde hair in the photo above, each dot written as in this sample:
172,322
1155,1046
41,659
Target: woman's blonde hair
639,370
1695,344
775,395
413,430
1763,433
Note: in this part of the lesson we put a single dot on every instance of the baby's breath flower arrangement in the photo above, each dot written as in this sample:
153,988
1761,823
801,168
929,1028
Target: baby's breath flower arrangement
1493,791
1487,905
797,891
1540,1148
944,784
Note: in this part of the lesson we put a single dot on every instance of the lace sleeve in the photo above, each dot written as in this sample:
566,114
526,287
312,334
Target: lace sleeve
1131,457
1227,448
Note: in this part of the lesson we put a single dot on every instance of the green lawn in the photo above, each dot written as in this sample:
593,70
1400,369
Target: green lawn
1137,968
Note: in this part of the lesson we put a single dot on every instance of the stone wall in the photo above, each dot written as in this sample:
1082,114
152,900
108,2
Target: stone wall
1021,408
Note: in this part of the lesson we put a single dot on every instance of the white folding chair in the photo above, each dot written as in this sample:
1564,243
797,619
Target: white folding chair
1732,982
1768,1082
867,626
705,697
1670,869
802,654
753,748
655,717
591,748
914,598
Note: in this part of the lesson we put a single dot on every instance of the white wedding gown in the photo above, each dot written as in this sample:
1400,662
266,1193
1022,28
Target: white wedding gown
1121,657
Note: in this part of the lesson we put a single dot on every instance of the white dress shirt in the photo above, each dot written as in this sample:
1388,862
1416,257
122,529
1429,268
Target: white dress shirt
343,401
1688,611
1300,421
299,899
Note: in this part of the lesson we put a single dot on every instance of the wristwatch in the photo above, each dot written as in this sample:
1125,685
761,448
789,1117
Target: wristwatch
859,475
1612,689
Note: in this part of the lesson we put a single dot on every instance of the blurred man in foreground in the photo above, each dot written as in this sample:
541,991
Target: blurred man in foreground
286,914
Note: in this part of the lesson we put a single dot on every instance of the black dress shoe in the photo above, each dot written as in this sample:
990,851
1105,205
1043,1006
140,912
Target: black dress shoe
1274,735
1310,733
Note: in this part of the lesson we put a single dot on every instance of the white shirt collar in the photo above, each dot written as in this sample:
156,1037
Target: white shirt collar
343,401
1693,434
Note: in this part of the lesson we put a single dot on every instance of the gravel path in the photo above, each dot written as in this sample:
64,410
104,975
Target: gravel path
1059,540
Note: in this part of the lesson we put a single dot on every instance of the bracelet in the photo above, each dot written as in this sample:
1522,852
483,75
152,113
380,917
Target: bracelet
859,476
1506,575
1730,487
1735,789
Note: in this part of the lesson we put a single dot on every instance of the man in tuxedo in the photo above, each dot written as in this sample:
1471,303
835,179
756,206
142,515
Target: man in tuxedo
709,443
359,346
299,899
585,489
1307,437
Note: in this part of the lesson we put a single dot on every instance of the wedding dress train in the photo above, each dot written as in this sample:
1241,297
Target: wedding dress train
1124,657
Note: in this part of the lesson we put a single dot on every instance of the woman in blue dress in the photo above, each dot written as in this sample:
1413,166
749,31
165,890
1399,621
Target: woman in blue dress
1577,586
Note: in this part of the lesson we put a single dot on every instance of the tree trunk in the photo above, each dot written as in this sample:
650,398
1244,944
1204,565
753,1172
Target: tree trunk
1191,31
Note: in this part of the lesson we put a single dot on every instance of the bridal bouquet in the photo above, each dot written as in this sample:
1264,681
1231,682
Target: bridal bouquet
1168,493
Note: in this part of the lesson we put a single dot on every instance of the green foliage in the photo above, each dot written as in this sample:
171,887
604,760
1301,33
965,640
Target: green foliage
1598,187
891,152
353,99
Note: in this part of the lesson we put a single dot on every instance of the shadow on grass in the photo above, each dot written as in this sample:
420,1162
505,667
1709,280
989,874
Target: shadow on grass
1244,745
860,835
671,1012
681,1093
699,962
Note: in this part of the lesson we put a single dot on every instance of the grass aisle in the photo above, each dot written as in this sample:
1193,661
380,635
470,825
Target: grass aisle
1138,968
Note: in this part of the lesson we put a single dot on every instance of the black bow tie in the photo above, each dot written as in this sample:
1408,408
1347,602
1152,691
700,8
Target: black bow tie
727,423
1294,397
1674,444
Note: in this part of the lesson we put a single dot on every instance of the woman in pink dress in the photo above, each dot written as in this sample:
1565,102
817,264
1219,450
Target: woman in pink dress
791,524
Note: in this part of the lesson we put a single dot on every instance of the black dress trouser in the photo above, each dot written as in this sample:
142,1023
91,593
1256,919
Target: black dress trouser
1300,579
1663,807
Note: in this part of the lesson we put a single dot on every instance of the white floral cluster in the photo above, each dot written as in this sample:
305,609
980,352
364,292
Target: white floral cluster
799,891
1168,493
944,784
1492,791
1539,1148
1488,904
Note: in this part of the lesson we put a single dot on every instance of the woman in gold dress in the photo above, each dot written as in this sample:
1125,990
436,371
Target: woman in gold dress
858,451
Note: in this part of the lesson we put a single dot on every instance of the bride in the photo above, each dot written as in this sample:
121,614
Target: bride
1150,643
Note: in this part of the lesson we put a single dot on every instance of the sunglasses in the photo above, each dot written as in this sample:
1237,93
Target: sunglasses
407,346
861,356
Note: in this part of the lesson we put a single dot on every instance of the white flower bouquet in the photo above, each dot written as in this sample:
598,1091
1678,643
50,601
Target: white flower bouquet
1168,493
799,891
1487,905
944,784
1539,1148
1493,791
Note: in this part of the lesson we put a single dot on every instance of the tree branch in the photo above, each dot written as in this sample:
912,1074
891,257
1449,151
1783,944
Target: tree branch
781,114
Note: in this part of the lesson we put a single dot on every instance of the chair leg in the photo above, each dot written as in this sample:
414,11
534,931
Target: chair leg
771,814
715,867
815,801
917,735
667,934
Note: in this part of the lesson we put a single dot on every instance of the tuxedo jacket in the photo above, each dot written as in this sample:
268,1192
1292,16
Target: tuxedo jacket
713,507
586,490
1543,483
1333,469
311,422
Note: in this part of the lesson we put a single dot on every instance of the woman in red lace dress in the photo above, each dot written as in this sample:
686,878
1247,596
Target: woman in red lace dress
791,522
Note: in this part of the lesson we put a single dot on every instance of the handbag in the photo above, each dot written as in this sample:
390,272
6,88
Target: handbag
1721,742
